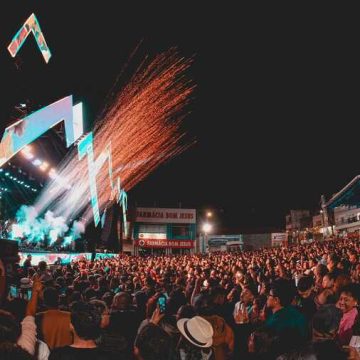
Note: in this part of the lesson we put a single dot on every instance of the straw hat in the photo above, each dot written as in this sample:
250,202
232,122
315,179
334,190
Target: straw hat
197,330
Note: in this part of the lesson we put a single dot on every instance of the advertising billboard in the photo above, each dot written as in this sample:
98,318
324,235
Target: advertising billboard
166,216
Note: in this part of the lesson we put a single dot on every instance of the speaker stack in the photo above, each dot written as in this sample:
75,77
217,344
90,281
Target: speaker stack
9,256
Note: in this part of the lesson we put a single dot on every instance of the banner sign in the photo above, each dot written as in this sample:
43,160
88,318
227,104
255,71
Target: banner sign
278,239
163,215
161,236
158,243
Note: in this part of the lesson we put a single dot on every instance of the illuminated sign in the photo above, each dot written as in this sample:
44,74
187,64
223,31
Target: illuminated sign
158,243
31,25
162,215
152,236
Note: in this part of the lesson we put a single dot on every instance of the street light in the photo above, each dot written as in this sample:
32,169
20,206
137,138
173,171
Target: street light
206,228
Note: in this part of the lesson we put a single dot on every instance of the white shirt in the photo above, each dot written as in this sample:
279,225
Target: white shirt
204,356
27,339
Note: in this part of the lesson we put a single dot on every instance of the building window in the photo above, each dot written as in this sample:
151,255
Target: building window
152,229
181,231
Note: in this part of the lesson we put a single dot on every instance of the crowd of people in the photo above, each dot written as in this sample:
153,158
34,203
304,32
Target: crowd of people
298,302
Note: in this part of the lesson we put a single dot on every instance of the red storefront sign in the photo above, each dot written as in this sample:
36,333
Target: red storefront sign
160,243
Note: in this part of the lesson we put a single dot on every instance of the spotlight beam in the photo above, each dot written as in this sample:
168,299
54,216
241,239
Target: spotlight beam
86,148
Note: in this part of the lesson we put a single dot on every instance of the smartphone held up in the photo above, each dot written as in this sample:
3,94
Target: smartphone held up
162,304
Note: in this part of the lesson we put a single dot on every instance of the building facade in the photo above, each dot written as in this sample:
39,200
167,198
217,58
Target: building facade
245,241
344,210
347,219
224,243
297,224
318,226
164,231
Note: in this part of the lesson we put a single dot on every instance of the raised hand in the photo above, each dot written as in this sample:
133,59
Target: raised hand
241,316
262,315
156,316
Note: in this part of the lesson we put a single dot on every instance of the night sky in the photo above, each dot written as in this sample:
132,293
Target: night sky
274,114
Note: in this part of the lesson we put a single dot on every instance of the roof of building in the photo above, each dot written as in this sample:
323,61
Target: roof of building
348,195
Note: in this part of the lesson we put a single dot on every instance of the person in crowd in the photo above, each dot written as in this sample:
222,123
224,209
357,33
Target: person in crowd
53,325
196,339
14,335
205,285
332,263
263,344
223,335
324,345
139,300
43,273
320,271
348,302
328,281
12,352
353,259
113,344
285,318
185,311
344,266
124,318
23,336
306,295
325,323
58,261
85,327
308,352
340,281
153,343
27,262
243,308
327,294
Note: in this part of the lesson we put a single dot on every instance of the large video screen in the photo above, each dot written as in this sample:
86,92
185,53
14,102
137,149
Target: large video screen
50,258
100,256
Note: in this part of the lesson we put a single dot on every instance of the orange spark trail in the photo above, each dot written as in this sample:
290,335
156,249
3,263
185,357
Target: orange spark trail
142,123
